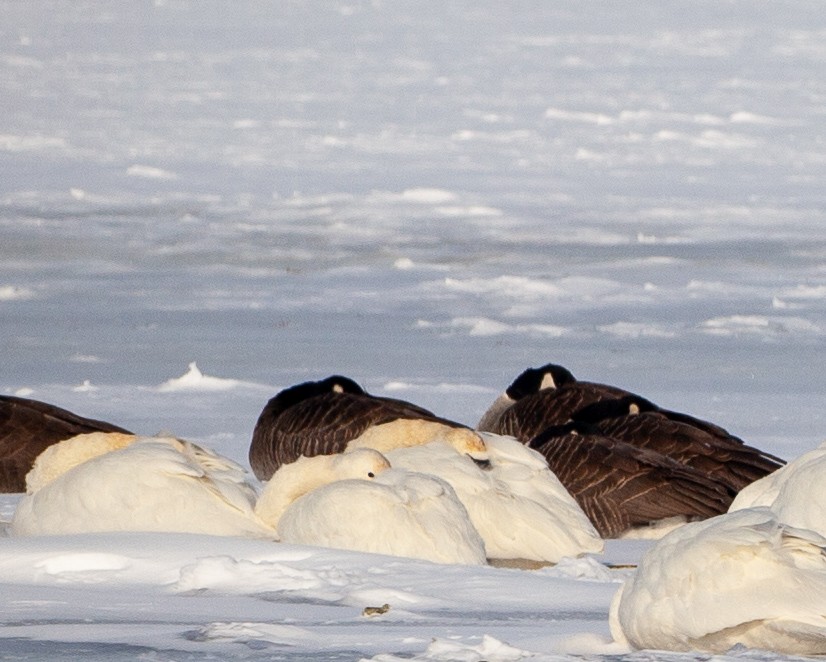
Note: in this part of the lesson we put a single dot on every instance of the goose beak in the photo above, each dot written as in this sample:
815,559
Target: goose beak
483,464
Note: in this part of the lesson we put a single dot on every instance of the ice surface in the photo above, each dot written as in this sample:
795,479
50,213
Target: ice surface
428,200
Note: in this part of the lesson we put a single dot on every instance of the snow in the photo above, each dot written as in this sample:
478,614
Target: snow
200,206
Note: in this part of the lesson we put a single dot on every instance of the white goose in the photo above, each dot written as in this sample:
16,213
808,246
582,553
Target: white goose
739,578
518,505
795,492
119,482
356,501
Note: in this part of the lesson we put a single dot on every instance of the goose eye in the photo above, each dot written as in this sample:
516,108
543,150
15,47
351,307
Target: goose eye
370,474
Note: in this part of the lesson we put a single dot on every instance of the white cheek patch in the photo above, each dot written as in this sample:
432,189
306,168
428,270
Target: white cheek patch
547,382
338,388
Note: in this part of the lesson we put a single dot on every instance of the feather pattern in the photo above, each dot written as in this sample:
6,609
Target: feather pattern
796,492
320,418
620,486
150,484
741,578
28,427
356,501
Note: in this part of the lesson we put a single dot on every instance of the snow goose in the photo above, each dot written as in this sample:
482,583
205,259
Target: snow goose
518,506
334,414
117,482
796,492
355,501
27,428
741,578
623,487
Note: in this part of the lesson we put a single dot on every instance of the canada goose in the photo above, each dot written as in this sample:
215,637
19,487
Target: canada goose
27,428
551,395
621,486
335,414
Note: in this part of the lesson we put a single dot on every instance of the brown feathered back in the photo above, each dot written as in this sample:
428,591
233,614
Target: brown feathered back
620,486
321,418
28,427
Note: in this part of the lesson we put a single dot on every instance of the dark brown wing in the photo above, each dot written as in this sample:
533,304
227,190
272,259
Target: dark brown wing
726,460
27,428
620,486
531,414
321,425
610,407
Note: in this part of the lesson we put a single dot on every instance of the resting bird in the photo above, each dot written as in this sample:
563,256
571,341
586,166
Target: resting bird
518,506
623,487
27,428
726,459
551,397
119,482
796,493
741,578
335,414
356,501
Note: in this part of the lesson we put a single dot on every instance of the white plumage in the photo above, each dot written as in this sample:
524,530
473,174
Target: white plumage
115,482
796,492
111,482
739,578
344,501
517,505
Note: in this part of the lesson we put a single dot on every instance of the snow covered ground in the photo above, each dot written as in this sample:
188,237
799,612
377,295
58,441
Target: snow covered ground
426,197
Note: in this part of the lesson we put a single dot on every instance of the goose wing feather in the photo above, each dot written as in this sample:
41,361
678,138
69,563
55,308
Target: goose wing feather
320,425
530,415
732,463
28,427
620,486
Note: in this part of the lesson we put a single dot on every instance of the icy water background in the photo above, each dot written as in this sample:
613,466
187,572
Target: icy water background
426,197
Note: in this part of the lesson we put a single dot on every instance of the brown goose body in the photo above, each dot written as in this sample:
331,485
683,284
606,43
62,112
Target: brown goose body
322,418
684,457
551,395
621,486
28,427
532,413
532,406
726,459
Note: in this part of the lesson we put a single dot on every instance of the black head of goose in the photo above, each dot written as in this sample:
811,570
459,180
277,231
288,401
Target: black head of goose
28,427
539,397
533,380
621,486
551,395
531,414
335,414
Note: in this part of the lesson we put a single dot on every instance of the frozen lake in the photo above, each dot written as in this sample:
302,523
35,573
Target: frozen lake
426,198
